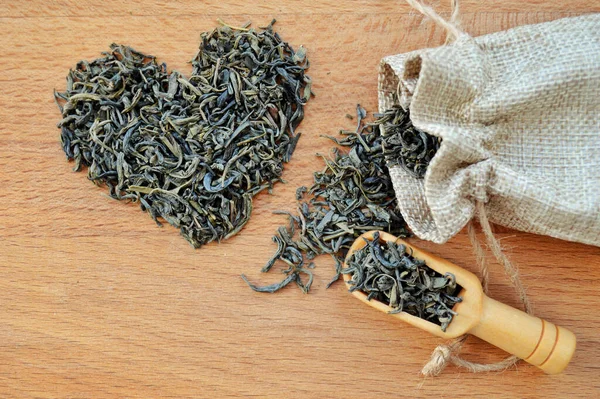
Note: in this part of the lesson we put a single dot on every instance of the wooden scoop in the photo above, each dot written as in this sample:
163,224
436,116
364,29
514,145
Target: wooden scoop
534,340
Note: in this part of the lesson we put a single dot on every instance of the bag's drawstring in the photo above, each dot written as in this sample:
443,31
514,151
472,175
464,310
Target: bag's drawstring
449,353
451,27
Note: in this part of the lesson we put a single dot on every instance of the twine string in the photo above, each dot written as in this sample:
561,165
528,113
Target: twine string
451,27
449,353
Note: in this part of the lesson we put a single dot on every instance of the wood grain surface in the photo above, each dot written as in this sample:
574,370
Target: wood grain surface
96,301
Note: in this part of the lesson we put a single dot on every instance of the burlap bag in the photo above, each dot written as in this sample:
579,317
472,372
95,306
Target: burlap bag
519,116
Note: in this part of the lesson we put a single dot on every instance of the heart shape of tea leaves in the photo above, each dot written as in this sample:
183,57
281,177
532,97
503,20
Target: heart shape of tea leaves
192,151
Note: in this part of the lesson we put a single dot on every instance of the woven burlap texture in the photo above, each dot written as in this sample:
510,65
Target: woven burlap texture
518,113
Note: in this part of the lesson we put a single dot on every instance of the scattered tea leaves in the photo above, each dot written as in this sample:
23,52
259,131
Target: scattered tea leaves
351,195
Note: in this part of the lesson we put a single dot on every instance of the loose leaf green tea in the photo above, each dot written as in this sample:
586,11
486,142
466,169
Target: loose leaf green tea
192,151
351,195
389,274
404,144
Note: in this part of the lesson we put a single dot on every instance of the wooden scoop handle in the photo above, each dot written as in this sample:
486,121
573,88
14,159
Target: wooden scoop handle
534,340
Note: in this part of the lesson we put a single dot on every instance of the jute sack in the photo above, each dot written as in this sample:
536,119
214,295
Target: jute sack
518,113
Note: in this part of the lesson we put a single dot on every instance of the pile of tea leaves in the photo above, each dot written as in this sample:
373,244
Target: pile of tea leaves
192,151
404,144
351,195
387,273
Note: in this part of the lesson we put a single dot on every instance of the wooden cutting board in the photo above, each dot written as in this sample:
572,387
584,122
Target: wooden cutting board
96,301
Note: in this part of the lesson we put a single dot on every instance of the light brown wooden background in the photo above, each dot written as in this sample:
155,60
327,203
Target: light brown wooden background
96,301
